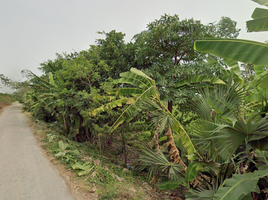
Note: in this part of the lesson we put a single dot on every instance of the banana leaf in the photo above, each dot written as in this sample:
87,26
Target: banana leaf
111,105
51,79
128,113
262,2
240,185
259,21
145,88
169,185
258,69
259,13
235,49
135,78
234,67
257,25
260,80
199,79
192,171
184,137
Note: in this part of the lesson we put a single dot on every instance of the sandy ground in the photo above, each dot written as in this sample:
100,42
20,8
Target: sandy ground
25,172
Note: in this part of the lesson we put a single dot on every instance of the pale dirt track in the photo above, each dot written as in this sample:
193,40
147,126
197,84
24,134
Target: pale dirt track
25,174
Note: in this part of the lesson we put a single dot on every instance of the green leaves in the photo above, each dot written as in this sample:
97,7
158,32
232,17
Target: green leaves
146,97
184,137
259,22
192,171
169,185
65,152
236,187
260,80
135,79
157,163
234,67
51,79
63,145
240,185
258,69
111,105
145,88
241,50
86,168
235,49
261,2
199,79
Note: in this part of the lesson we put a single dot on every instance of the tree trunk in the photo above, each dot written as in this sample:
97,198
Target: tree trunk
99,136
124,149
170,106
174,153
155,139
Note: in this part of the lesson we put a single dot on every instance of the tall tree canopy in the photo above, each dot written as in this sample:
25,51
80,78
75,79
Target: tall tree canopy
166,51
114,51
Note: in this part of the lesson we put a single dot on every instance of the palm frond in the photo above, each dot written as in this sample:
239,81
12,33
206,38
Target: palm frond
220,102
158,164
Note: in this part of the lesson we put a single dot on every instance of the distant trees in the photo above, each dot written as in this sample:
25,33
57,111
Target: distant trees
4,80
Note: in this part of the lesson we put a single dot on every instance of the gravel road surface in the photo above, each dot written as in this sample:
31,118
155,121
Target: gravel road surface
25,173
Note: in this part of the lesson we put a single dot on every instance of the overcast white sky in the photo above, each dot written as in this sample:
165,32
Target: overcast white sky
32,31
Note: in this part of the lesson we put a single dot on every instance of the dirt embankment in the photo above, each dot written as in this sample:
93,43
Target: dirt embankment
2,105
5,100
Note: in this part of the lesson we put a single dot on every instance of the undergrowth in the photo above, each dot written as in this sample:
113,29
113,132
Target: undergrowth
110,180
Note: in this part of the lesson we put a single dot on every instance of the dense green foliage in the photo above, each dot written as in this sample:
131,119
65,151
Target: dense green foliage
206,118
165,52
233,131
75,84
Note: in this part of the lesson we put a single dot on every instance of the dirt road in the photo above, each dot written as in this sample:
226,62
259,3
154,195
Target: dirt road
25,174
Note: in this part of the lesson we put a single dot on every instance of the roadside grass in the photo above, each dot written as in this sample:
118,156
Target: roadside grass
96,173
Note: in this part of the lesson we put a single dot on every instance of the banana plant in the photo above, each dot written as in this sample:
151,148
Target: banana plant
241,50
247,52
251,132
235,49
240,186
144,96
259,19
